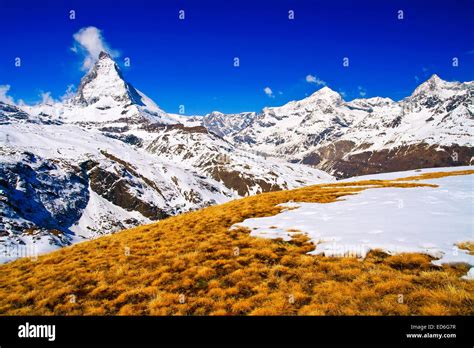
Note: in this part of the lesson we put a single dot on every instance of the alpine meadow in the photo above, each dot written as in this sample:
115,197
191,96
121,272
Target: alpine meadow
263,159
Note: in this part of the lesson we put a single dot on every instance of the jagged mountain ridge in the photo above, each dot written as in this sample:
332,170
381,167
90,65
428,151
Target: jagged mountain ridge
431,128
109,158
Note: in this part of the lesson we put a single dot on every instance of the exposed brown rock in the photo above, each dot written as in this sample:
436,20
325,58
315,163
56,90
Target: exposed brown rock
328,154
159,127
391,160
236,181
132,170
114,188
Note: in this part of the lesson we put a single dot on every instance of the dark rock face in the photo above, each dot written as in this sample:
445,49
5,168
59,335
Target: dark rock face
239,182
390,160
116,187
156,127
48,194
128,139
312,159
10,112
46,197
396,122
327,155
111,187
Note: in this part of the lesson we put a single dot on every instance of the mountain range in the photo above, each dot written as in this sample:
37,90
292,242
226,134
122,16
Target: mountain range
109,158
433,127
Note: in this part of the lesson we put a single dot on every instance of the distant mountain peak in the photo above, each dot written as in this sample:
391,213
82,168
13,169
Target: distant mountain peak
435,78
216,113
326,94
325,91
432,85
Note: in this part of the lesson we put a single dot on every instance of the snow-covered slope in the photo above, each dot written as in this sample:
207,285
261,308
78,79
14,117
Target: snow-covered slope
226,124
432,127
426,220
61,183
217,122
242,171
109,158
64,183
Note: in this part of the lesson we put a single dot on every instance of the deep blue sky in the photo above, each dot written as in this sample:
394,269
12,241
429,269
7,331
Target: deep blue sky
190,62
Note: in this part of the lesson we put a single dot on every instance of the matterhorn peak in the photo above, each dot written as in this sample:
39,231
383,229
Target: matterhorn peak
105,59
103,91
105,81
105,64
104,55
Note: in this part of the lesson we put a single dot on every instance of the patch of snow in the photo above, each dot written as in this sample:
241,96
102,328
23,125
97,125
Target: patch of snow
396,220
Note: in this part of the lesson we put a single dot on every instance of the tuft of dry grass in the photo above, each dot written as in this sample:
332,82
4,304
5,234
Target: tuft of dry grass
193,264
435,175
469,246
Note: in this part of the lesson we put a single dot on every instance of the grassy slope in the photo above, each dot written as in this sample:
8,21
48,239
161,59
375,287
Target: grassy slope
193,265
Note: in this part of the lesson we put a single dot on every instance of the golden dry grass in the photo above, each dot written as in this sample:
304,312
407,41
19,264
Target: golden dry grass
468,245
193,265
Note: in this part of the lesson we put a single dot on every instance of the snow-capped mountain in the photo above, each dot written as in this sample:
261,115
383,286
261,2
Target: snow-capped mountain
109,158
105,99
433,127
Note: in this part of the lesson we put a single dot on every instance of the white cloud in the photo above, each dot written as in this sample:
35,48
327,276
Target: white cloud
46,98
362,91
70,92
314,79
268,91
4,97
89,42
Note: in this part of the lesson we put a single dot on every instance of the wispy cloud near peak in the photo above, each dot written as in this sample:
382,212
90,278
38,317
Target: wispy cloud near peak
89,42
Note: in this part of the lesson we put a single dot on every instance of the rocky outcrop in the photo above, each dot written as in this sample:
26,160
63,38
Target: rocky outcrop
39,199
339,160
241,183
242,172
116,186
400,159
